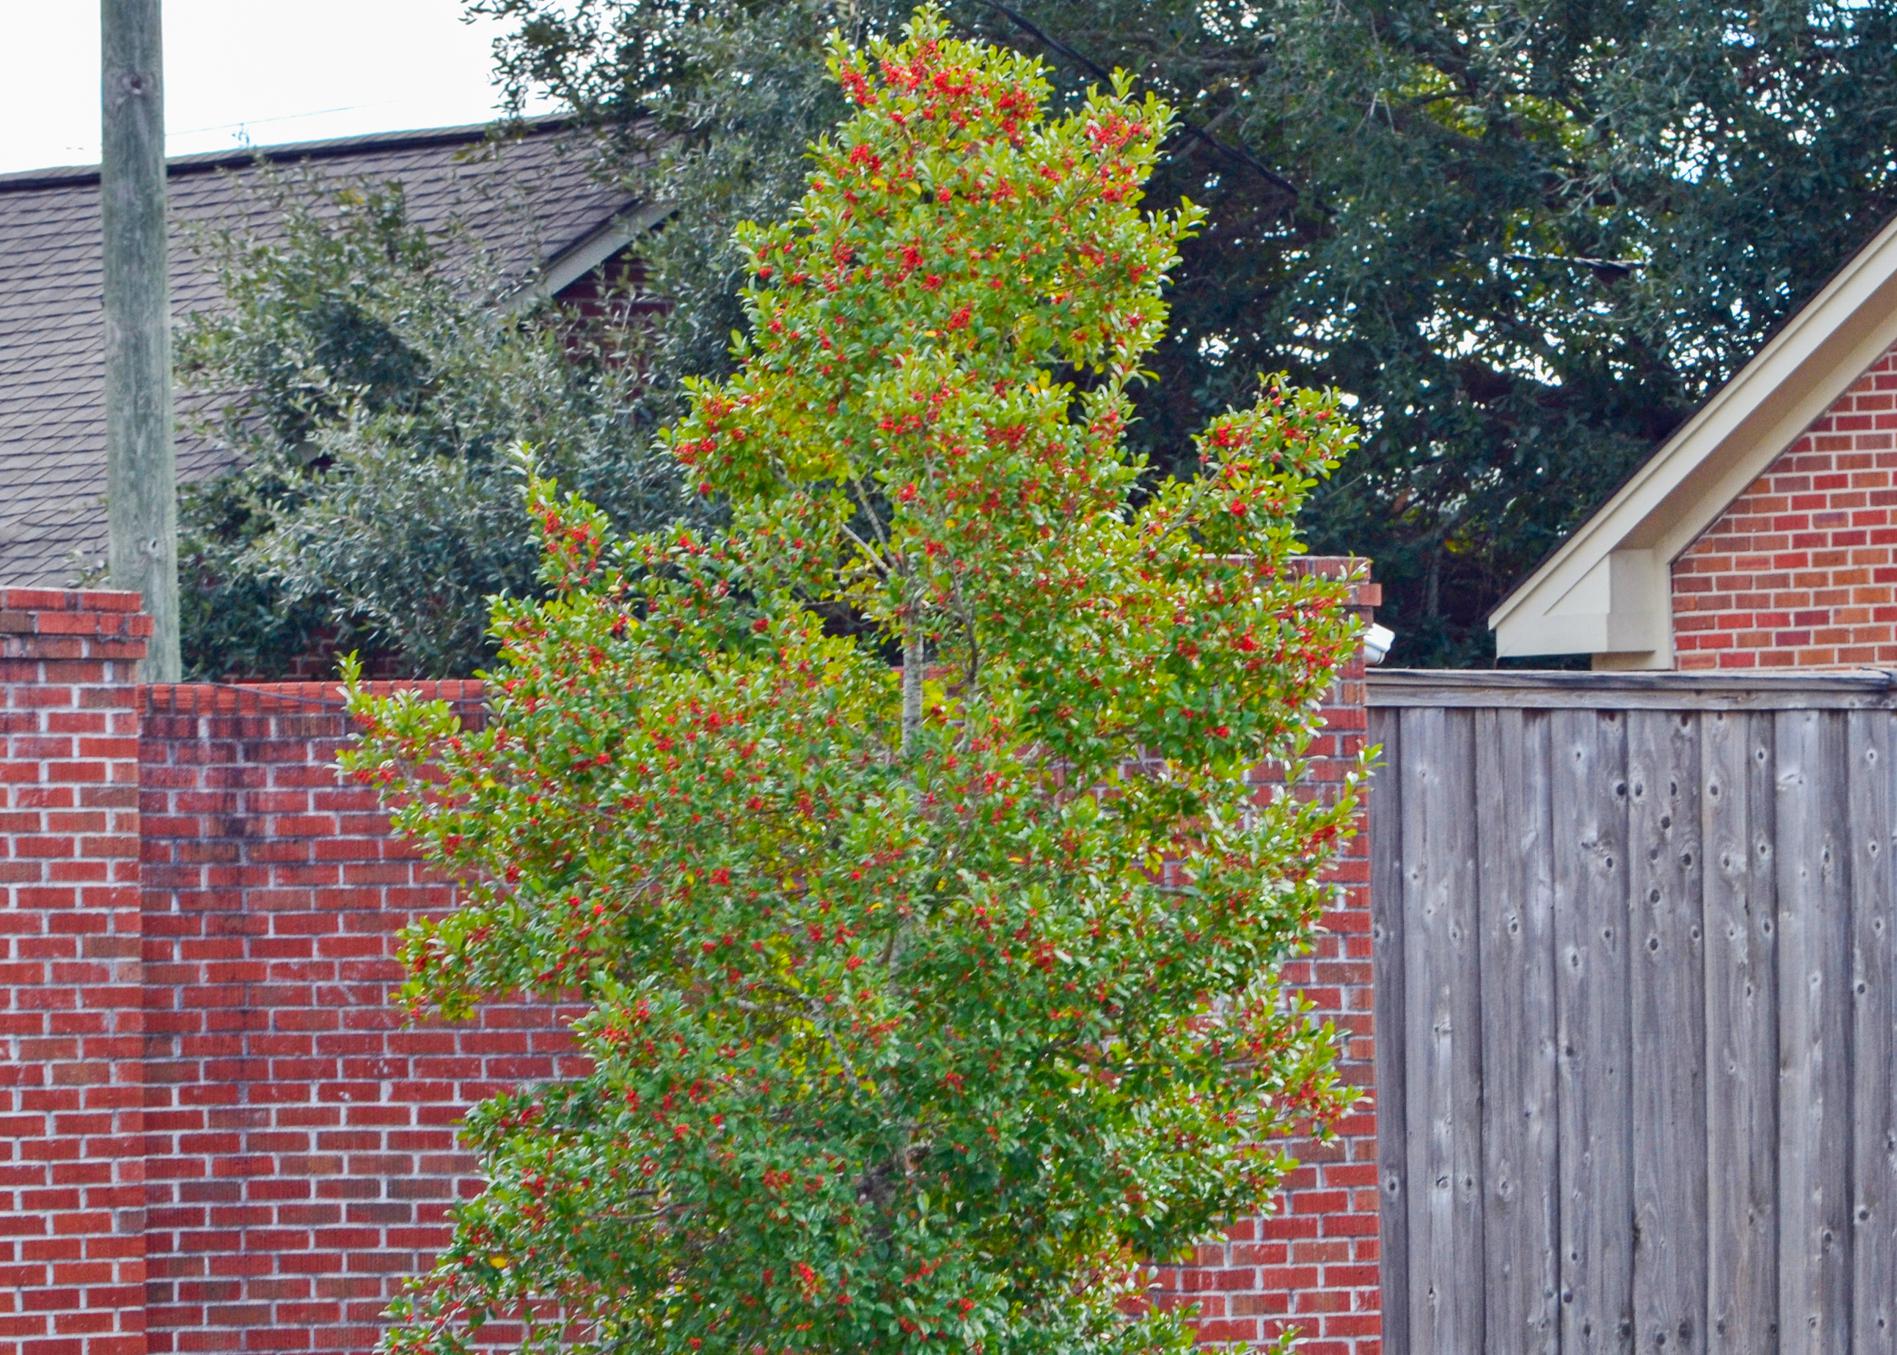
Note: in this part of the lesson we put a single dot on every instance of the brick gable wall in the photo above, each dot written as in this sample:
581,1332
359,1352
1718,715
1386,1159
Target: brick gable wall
1801,570
216,1131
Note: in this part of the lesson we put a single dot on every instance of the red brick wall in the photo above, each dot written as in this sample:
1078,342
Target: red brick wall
299,1137
72,1244
1800,570
217,1132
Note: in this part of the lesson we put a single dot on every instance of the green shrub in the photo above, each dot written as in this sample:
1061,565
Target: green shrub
371,379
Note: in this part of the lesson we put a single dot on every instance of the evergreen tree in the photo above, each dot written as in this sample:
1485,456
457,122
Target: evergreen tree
371,378
924,1002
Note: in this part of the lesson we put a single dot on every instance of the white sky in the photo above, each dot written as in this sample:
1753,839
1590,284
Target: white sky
246,72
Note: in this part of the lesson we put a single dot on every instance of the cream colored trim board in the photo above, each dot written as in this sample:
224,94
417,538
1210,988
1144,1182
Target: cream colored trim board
591,251
1606,591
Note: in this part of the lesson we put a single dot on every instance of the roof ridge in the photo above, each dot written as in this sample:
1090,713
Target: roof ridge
291,151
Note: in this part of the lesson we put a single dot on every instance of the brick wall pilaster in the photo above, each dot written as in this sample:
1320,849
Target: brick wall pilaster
1313,1264
72,1232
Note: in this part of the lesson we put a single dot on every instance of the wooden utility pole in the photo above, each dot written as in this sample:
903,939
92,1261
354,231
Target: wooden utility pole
141,466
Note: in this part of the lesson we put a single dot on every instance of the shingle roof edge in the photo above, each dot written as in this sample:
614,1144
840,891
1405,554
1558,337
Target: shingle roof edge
239,157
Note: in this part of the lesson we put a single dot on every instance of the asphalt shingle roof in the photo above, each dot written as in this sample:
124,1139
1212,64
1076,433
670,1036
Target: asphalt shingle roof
52,340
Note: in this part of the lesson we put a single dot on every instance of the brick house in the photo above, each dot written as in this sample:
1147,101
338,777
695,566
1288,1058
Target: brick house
1763,533
528,201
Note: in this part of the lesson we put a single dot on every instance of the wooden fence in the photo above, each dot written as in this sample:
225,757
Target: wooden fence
1637,1013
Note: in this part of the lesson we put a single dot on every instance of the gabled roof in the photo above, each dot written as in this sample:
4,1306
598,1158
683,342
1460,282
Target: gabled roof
1606,591
52,365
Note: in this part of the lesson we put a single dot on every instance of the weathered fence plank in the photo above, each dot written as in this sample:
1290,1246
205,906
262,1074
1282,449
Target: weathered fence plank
1668,995
1741,1021
1814,1082
1873,1035
1589,808
1442,1037
1516,887
1387,933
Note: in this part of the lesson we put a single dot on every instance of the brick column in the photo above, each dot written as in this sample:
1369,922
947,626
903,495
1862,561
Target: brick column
1313,1264
72,1246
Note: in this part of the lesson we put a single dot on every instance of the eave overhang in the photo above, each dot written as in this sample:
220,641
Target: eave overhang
1606,591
